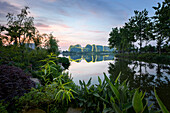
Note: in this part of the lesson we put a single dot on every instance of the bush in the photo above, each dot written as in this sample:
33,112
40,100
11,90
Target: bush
3,108
13,82
52,98
25,58
65,62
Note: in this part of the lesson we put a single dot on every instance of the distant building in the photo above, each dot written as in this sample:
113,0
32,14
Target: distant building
76,48
99,48
90,48
90,58
30,45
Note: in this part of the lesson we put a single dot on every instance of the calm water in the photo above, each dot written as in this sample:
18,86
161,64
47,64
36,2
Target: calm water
140,74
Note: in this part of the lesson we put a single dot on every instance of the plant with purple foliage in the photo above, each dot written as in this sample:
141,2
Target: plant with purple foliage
13,82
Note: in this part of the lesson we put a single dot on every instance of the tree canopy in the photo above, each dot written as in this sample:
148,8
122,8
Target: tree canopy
140,28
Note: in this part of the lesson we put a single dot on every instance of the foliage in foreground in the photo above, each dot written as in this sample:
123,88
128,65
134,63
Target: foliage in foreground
58,92
13,82
108,97
55,92
52,98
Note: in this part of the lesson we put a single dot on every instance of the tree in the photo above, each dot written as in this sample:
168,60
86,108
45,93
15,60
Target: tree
139,24
125,40
52,44
121,38
162,23
115,39
37,38
20,27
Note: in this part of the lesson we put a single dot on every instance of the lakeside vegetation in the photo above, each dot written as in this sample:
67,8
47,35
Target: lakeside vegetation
146,57
55,92
142,29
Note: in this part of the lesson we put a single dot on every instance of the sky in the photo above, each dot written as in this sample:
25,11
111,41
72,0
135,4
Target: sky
77,21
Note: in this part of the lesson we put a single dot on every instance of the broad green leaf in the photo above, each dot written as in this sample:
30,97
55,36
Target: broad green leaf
45,71
116,108
99,80
162,106
127,106
143,95
137,102
114,90
117,77
71,95
86,87
63,96
89,82
106,110
89,104
96,94
112,99
81,104
150,106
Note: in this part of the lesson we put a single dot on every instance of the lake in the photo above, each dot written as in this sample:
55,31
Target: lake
141,75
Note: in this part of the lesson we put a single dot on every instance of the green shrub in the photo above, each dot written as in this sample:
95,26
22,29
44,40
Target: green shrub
3,108
54,97
112,97
65,62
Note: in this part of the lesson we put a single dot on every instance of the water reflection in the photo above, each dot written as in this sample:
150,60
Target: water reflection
145,76
91,58
86,66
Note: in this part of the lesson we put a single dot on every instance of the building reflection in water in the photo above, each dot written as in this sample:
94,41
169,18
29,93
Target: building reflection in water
91,58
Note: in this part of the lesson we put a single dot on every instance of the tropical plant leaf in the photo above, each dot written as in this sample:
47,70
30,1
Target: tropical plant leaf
99,80
96,94
137,102
116,108
162,106
114,90
89,82
106,110
117,78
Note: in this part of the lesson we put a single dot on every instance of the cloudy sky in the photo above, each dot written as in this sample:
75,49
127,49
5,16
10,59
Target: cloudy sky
77,21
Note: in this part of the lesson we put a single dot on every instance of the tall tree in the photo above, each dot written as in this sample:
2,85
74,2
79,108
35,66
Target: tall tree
20,26
115,39
139,24
52,44
162,23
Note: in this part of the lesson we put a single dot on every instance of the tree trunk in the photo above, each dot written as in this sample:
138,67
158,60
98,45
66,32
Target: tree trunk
15,42
140,44
159,50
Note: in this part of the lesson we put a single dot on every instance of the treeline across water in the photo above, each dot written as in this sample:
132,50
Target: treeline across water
142,29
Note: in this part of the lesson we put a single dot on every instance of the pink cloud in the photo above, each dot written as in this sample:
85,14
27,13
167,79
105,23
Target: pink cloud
64,25
42,25
94,31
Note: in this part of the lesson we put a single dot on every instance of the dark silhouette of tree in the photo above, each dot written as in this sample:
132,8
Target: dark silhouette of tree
20,27
139,26
121,38
115,39
52,44
162,23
